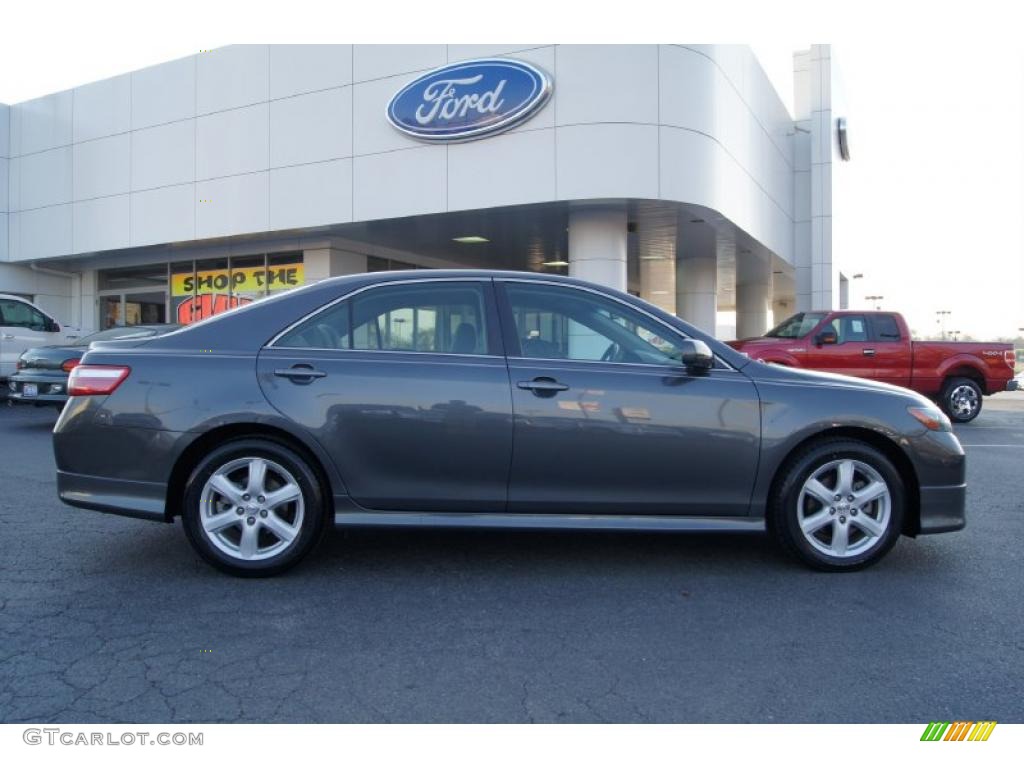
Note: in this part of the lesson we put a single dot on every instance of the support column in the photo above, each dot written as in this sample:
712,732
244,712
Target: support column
697,276
321,263
753,295
597,245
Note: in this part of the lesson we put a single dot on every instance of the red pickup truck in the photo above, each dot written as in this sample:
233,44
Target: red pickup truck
877,345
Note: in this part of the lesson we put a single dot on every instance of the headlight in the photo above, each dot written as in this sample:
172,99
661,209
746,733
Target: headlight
931,417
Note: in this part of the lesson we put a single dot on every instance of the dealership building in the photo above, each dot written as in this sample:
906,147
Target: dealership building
674,172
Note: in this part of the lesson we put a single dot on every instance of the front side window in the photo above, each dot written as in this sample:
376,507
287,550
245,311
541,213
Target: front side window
569,324
442,317
850,328
17,314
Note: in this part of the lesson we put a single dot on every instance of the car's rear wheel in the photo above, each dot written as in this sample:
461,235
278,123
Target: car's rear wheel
253,507
838,505
961,399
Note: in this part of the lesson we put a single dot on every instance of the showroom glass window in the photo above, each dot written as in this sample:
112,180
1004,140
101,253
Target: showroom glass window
570,324
444,317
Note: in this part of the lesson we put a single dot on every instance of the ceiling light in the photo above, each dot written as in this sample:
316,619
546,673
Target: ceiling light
556,263
471,239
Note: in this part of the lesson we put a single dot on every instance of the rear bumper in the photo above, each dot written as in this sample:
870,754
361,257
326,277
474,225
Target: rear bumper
51,388
943,508
132,498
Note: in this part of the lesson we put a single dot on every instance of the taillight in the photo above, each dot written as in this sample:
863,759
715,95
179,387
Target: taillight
1010,357
96,379
69,365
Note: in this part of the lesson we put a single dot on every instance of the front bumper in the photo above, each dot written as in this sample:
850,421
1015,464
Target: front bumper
1013,385
943,508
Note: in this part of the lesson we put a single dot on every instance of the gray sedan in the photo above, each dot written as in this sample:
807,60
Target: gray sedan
497,399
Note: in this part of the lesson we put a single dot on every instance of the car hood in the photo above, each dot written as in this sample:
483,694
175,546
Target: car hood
760,341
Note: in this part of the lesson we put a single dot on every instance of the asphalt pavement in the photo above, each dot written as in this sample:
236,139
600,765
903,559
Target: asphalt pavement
108,619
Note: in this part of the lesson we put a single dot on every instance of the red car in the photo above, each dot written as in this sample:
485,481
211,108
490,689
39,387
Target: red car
877,345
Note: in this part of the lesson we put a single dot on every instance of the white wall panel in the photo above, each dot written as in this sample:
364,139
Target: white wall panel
373,61
102,108
4,227
311,195
101,167
164,155
5,165
164,93
233,142
43,232
296,69
507,170
5,130
607,83
232,77
607,160
45,178
164,215
101,224
311,128
236,205
371,132
42,123
399,183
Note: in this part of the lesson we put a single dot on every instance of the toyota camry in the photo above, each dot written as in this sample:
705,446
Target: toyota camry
497,399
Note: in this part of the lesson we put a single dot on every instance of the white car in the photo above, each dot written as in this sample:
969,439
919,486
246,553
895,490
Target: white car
24,325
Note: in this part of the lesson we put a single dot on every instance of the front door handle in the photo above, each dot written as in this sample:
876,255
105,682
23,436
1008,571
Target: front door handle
543,385
869,353
8,336
300,374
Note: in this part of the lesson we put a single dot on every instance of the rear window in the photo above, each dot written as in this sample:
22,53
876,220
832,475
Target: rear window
886,328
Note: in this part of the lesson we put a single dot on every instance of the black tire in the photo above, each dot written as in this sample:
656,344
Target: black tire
311,516
958,403
784,511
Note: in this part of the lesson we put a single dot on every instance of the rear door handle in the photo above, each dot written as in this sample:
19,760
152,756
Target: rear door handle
543,385
869,352
300,374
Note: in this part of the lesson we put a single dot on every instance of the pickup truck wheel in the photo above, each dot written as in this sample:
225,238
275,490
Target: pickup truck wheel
838,505
961,399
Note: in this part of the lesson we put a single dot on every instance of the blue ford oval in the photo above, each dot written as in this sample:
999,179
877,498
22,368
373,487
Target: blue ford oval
469,100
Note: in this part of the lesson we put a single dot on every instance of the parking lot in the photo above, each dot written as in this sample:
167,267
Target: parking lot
111,619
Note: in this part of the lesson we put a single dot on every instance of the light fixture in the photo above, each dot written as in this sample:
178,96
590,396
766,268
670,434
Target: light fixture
555,263
471,239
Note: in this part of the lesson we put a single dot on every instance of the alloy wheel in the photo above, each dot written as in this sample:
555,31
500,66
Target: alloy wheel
251,508
963,400
844,508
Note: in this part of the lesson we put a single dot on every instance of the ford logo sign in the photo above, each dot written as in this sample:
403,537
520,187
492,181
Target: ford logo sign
469,100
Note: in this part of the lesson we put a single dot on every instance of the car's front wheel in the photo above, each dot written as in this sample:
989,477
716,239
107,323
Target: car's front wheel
838,505
253,507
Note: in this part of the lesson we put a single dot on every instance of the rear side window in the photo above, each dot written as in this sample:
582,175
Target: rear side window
885,327
423,317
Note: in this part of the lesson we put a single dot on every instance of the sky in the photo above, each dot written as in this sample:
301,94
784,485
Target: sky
933,201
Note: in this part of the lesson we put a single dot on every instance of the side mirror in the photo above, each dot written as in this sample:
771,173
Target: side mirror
695,355
52,326
828,336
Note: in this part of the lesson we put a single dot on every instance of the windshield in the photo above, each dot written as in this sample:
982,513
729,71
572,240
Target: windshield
797,326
